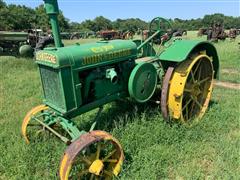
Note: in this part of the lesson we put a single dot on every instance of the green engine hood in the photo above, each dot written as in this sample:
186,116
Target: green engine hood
88,55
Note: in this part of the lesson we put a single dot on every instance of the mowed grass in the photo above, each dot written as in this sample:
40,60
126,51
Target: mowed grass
153,149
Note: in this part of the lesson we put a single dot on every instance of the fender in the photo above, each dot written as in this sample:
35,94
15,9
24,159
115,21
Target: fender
180,50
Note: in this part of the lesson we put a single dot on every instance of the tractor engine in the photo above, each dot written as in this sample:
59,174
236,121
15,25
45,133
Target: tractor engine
78,75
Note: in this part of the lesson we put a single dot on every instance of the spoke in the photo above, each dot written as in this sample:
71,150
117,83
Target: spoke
39,131
39,125
109,173
200,72
86,160
196,68
198,103
83,172
191,110
109,155
92,177
192,75
186,104
187,90
188,87
203,80
111,160
187,113
98,151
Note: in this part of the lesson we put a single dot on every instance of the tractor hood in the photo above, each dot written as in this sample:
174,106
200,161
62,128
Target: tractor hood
88,55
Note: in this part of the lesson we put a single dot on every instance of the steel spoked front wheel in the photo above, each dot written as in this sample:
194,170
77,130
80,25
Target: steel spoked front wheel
95,155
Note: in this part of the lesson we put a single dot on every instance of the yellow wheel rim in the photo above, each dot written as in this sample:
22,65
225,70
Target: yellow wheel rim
28,117
190,89
90,158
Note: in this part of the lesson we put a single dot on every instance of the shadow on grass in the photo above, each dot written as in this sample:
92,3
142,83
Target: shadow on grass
212,103
116,114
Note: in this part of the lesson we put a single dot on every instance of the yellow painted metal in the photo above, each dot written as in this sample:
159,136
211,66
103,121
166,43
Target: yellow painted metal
28,117
96,167
117,168
179,85
63,165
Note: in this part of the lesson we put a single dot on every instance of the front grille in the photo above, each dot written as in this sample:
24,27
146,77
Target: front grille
53,91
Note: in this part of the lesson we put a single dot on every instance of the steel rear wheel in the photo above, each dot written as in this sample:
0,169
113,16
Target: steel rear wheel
190,89
95,155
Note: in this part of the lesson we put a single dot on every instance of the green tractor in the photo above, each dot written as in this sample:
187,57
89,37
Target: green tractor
79,78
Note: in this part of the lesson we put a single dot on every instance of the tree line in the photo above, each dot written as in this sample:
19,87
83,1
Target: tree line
18,18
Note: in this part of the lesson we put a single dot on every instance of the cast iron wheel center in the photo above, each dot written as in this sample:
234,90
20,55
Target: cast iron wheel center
96,167
193,89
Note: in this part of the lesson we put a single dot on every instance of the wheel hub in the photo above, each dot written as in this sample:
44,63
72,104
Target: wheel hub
96,167
195,90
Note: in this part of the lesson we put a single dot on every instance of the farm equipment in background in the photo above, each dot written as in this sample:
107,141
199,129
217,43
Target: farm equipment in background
127,35
232,34
23,43
179,32
170,32
216,32
66,35
15,43
83,35
202,31
79,78
109,34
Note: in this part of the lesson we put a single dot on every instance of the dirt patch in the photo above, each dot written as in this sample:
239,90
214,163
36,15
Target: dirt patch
227,85
230,71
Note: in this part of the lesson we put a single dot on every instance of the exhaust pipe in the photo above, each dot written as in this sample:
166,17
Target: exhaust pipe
52,10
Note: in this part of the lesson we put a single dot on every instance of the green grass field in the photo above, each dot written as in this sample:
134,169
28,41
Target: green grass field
153,149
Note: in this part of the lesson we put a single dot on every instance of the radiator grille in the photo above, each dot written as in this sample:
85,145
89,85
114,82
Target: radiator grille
53,91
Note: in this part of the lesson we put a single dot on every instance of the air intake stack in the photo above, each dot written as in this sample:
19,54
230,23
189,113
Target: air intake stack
51,7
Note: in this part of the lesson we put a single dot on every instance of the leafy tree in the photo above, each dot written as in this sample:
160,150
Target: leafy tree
42,20
101,23
16,17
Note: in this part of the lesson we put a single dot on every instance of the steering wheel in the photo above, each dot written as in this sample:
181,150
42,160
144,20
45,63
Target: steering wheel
165,28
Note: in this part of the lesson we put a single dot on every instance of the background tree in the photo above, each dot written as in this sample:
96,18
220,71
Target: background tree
42,20
18,18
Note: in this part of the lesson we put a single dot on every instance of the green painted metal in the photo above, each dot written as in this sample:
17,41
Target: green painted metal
88,55
80,78
180,50
51,120
163,27
52,10
148,39
142,82
71,128
15,43
26,50
13,36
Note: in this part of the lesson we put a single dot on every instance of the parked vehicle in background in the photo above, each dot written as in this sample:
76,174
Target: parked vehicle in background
15,43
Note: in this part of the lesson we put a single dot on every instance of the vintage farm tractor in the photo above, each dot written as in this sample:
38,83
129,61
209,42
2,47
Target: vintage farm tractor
80,78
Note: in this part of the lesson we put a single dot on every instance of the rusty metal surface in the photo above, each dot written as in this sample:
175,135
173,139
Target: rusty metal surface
71,152
164,93
80,144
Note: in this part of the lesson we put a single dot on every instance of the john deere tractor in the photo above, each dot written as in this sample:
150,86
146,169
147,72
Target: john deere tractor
79,78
